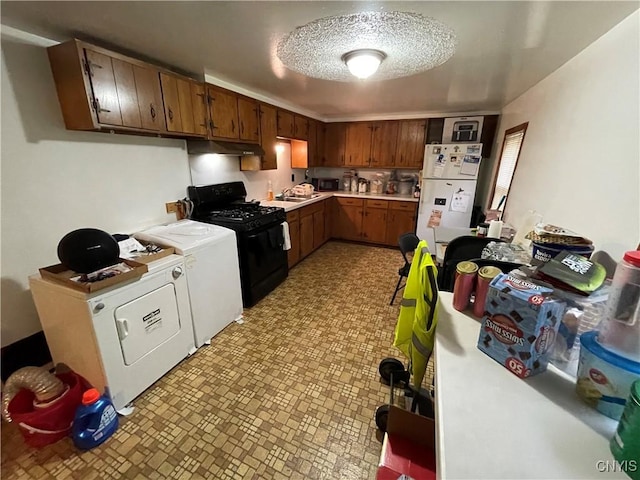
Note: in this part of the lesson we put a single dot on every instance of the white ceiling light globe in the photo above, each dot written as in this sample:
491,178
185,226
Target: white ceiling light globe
363,63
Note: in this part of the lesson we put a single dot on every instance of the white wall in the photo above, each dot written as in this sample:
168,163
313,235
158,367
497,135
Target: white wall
211,168
55,181
579,164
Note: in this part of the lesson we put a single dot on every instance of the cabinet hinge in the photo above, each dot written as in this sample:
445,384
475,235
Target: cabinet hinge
86,67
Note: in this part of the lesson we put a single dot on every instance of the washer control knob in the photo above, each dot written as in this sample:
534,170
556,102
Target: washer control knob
98,307
177,272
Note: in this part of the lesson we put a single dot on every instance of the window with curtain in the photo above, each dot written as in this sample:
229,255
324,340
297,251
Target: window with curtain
511,146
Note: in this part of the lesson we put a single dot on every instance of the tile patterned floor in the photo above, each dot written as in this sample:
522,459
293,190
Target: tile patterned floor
289,394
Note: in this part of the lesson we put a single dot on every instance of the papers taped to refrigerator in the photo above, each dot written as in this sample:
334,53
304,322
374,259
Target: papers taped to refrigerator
460,202
470,165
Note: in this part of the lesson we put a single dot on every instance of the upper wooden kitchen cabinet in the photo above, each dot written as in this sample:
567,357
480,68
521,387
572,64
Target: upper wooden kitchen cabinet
172,96
285,123
334,144
184,104
358,144
268,133
384,143
99,89
223,113
411,142
300,127
320,134
150,98
199,104
248,119
312,145
401,219
374,225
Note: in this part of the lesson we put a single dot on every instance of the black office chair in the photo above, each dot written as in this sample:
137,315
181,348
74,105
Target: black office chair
459,249
407,243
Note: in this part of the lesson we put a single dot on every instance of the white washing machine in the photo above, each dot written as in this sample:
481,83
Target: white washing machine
213,272
123,338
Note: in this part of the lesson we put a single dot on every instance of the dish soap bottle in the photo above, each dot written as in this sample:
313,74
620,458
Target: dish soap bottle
269,192
95,421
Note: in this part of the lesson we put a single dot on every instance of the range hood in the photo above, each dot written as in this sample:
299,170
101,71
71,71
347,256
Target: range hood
224,148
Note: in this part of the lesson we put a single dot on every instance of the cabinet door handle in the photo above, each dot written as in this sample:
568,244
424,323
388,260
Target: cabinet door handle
170,114
212,125
98,107
241,127
233,126
152,111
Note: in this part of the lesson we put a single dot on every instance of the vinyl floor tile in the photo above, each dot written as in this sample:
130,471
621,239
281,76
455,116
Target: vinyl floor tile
289,394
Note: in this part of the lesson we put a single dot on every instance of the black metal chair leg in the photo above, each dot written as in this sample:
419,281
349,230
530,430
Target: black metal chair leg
396,291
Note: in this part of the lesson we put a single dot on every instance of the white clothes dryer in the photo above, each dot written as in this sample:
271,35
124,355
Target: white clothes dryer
213,272
123,338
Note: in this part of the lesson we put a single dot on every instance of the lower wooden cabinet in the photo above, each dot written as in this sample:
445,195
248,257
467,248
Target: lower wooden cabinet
306,234
348,218
307,230
374,224
293,254
401,218
380,222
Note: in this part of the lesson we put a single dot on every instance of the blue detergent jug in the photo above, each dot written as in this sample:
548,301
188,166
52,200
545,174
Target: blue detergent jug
95,421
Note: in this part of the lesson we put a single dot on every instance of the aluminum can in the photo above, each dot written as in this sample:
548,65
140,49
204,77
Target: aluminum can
485,275
464,284
625,444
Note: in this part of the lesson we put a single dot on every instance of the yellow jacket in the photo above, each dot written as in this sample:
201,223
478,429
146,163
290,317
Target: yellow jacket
415,330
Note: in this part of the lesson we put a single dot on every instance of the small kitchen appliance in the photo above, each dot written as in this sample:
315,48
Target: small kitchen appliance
326,184
260,239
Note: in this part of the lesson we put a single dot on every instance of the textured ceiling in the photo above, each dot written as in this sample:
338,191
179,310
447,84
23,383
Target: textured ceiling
503,48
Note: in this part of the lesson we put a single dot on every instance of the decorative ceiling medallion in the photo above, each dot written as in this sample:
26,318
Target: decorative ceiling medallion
411,43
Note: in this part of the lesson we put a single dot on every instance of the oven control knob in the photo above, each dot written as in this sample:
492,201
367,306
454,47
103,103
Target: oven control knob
177,272
98,307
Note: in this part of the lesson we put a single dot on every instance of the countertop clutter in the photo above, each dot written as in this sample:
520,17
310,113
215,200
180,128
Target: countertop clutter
320,196
504,427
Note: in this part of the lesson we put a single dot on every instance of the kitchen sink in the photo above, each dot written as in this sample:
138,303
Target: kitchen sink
300,199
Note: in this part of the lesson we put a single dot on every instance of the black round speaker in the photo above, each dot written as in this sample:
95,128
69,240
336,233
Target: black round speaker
87,250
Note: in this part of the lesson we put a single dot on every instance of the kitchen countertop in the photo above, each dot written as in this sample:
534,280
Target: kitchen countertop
289,206
490,424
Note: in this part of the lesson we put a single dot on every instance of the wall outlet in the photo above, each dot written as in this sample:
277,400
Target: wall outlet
172,207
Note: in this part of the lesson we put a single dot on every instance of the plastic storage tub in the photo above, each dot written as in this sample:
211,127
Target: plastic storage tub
604,378
543,252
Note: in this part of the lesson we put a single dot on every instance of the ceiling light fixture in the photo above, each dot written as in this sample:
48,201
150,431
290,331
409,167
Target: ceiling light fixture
364,62
409,43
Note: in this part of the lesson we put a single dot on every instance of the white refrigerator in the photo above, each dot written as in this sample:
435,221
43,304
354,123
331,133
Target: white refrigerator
449,178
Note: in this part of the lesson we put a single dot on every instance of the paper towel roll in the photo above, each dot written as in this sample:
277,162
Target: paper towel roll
495,229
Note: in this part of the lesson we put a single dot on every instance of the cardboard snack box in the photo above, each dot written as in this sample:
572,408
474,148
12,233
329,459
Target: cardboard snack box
152,257
61,274
520,324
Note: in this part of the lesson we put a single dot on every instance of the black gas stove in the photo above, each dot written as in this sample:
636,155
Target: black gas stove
241,216
263,261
